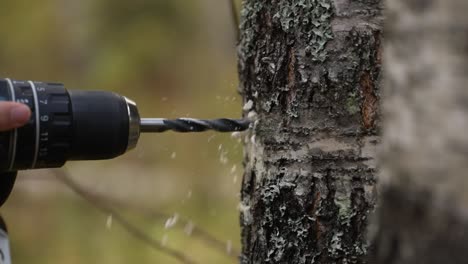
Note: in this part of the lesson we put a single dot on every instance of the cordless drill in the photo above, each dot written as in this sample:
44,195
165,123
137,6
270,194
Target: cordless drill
79,125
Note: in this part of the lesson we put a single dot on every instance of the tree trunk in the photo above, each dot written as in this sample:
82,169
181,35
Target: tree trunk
309,74
423,217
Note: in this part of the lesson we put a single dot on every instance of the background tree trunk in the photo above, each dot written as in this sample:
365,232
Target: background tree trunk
309,74
424,216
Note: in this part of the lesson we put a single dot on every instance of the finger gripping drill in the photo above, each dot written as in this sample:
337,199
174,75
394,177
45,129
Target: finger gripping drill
79,125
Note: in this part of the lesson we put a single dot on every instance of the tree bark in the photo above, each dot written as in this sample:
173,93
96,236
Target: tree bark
309,75
423,216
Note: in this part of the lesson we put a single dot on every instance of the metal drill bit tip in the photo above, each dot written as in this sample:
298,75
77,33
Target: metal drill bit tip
185,125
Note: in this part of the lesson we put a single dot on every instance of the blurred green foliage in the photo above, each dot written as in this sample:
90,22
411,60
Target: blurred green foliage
174,58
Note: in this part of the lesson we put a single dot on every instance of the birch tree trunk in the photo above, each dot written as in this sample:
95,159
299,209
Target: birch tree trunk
424,213
309,72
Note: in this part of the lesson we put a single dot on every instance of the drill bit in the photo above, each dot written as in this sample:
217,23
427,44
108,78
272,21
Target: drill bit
185,125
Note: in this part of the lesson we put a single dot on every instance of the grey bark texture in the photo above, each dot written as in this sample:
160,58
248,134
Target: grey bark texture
309,72
423,217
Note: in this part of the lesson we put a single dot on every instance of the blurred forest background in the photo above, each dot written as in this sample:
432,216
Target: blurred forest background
175,58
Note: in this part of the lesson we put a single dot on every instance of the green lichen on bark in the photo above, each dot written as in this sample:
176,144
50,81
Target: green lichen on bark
249,15
313,18
352,104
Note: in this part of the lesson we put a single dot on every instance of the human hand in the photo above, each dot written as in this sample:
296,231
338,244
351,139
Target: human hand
13,115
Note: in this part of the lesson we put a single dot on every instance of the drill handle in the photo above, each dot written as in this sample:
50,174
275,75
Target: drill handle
7,181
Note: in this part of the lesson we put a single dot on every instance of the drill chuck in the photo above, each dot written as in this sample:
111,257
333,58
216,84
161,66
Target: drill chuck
66,125
81,125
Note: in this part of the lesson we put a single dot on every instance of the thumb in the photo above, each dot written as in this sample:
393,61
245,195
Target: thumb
13,115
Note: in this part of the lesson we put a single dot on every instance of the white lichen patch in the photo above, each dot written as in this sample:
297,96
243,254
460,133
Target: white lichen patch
343,199
336,244
370,193
332,145
327,145
369,151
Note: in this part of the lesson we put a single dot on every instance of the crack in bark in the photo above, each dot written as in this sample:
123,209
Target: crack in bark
369,104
